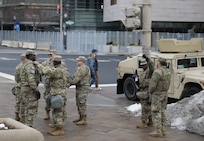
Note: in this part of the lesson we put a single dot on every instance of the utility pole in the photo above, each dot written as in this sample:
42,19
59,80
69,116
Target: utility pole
61,16
146,25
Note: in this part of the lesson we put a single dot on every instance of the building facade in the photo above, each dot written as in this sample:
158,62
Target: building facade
45,14
29,14
167,15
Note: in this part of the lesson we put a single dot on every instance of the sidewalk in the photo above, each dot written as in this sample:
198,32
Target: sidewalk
107,119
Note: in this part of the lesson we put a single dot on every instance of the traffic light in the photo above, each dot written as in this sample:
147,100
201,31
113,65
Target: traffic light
58,9
133,17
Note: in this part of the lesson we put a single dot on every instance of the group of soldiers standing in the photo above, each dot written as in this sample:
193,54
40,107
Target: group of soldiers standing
57,79
154,85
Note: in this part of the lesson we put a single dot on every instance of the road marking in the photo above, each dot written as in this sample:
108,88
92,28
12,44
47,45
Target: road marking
7,59
7,76
104,61
11,77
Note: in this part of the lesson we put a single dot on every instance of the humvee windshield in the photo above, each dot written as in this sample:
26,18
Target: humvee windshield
187,63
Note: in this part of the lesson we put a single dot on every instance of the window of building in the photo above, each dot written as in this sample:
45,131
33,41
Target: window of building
187,63
202,62
113,2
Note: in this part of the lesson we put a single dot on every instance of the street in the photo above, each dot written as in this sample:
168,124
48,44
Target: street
108,118
10,57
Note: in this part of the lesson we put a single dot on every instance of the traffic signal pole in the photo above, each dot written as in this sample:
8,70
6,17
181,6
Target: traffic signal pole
147,26
61,16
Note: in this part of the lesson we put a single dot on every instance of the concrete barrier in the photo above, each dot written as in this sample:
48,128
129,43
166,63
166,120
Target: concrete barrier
14,44
5,43
29,45
9,43
43,46
19,132
20,44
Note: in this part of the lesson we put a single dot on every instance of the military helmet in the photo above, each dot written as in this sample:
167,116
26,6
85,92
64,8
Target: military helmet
81,58
30,52
23,56
142,95
57,58
162,60
57,101
52,51
143,62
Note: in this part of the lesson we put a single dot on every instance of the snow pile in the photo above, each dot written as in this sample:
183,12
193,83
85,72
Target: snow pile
135,109
187,114
3,127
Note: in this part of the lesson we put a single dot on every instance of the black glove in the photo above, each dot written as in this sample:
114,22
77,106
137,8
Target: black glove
37,94
146,57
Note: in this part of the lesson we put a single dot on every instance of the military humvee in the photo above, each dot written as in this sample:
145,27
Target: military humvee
185,59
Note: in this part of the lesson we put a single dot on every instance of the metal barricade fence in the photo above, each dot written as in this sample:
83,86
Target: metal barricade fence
83,41
53,38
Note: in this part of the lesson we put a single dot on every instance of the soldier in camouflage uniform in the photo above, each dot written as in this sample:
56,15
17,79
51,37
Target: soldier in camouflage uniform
82,81
30,78
158,87
58,78
19,102
48,63
143,94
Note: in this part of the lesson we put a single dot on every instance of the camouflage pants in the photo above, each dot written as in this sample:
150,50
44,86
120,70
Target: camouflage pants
48,105
59,115
146,110
31,105
158,107
20,106
81,98
47,91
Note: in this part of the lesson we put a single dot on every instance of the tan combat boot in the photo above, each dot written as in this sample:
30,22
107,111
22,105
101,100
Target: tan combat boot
163,131
17,118
142,125
57,132
77,120
150,123
47,116
22,120
51,125
157,133
82,121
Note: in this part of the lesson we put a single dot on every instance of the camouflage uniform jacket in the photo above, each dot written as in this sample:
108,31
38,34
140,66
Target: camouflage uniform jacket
160,81
146,75
30,76
48,63
82,78
59,77
17,75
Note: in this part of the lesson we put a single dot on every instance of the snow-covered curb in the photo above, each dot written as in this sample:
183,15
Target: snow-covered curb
187,114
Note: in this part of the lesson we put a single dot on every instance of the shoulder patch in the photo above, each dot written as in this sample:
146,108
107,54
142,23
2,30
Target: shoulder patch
32,70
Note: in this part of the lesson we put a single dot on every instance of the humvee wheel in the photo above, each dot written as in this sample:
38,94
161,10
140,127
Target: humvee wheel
191,91
130,89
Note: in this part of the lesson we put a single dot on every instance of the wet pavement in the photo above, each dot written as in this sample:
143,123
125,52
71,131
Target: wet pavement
108,119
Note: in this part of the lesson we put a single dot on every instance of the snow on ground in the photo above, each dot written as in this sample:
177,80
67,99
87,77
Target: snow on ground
135,109
186,114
